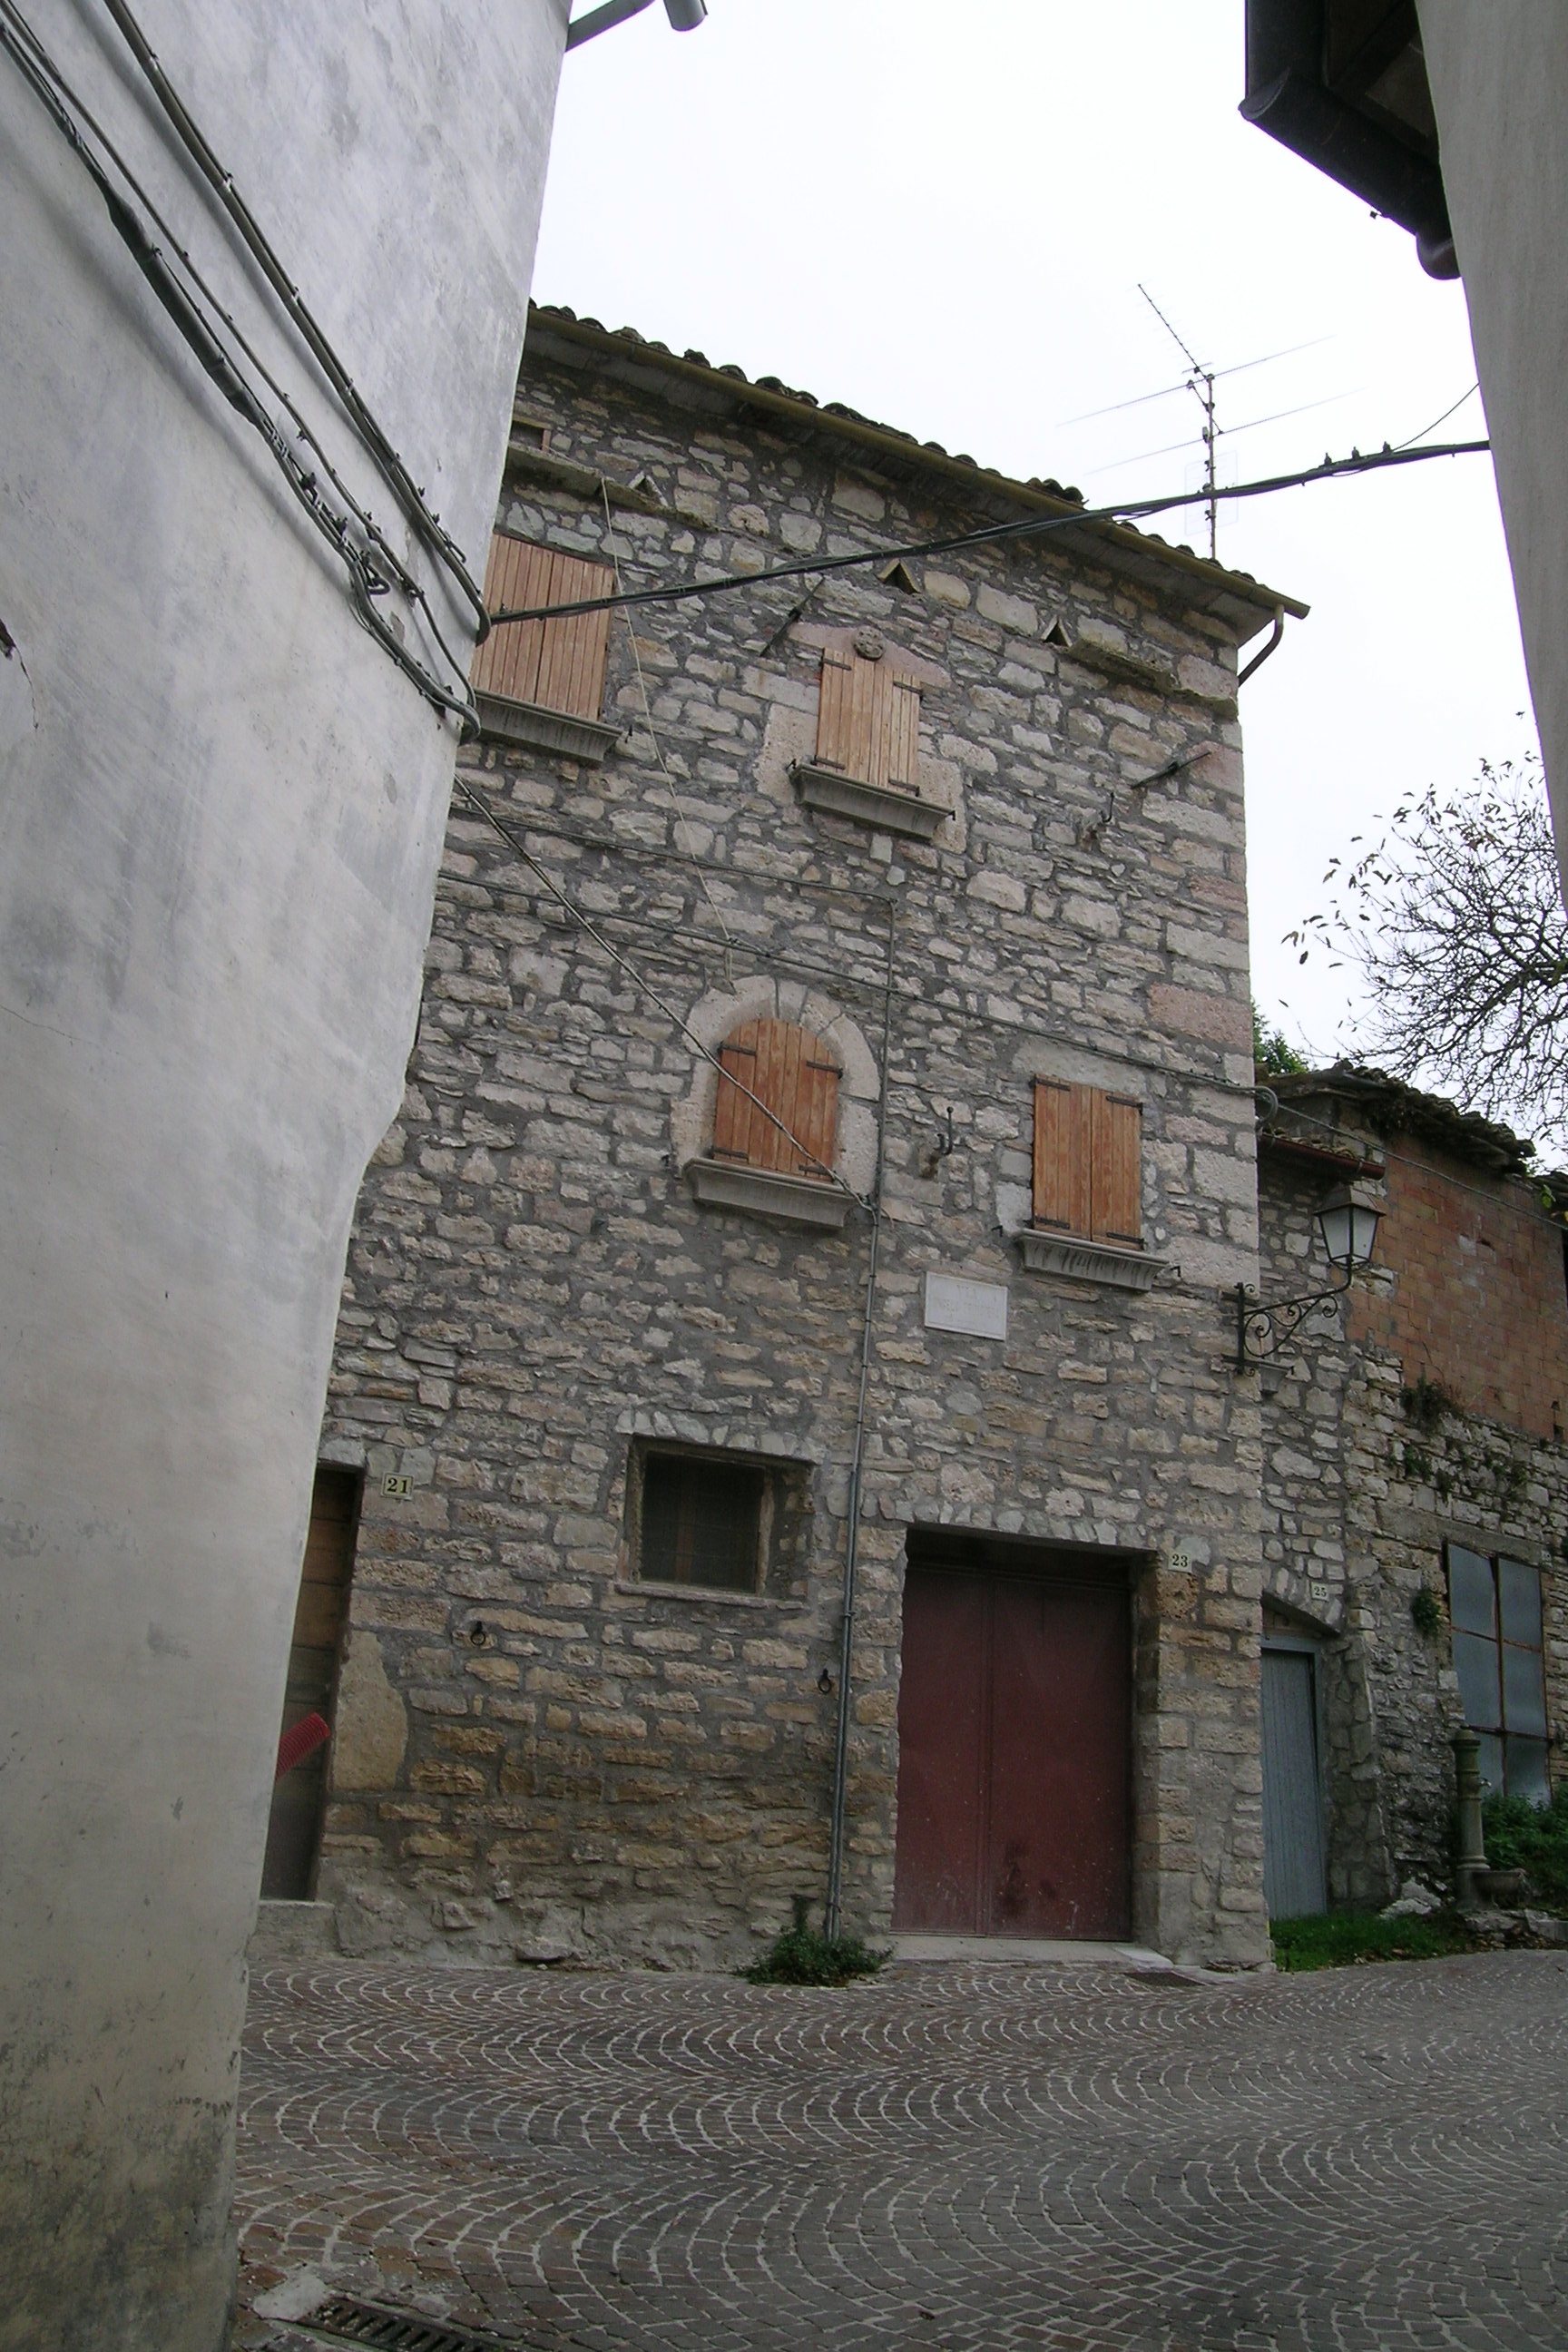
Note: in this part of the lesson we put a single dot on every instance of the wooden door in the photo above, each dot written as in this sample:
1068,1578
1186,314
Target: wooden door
1294,1885
298,1799
1015,1739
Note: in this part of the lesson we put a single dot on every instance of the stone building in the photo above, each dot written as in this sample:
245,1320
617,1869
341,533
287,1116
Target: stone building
834,1082
1415,1486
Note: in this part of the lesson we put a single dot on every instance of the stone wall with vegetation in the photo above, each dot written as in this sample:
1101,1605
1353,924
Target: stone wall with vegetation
1371,1465
537,1753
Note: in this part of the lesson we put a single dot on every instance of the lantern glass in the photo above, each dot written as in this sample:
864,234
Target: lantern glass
1348,1221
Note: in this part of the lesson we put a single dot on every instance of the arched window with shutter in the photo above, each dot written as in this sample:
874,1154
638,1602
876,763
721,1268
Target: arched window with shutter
775,1066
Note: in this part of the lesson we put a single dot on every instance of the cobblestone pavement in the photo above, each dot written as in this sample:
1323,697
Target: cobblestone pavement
956,2155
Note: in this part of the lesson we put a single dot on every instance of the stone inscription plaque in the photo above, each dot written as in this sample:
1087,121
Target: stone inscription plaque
979,1308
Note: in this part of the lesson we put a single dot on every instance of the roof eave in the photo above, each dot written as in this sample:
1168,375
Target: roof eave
1245,605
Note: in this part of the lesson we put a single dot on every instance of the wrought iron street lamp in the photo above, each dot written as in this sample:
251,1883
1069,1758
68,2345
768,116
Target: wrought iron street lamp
1347,1222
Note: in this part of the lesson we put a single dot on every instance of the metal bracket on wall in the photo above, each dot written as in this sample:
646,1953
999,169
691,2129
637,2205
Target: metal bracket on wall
685,16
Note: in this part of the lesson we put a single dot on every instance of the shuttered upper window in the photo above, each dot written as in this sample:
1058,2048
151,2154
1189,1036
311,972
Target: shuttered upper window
1089,1163
553,665
868,724
793,1073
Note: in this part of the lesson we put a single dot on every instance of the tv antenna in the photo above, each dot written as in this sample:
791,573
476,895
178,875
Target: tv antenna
1201,384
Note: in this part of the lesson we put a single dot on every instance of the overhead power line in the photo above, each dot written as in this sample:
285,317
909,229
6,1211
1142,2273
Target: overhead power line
231,361
994,534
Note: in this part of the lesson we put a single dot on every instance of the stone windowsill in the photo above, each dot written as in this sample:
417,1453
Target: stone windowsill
790,1199
881,806
545,731
654,1591
1084,1261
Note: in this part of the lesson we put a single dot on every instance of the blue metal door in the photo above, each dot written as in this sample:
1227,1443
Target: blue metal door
1293,1879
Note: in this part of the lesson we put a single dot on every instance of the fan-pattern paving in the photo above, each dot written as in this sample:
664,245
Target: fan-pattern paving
970,2156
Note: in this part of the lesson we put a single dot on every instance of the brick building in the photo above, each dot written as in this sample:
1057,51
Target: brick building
834,1079
1414,1485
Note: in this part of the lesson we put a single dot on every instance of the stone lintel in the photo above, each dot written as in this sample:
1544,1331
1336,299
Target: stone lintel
545,731
879,806
790,1199
1082,1261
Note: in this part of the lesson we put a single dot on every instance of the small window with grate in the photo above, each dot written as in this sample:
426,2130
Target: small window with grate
701,1522
1494,1605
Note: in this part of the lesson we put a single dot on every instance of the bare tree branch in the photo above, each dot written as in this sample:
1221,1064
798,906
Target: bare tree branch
1455,920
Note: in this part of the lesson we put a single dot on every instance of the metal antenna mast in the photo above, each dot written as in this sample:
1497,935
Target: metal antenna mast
1203,377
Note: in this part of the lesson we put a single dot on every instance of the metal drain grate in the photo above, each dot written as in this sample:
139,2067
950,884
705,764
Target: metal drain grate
346,2320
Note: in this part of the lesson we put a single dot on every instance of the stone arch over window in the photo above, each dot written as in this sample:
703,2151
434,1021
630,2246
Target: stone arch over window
803,1057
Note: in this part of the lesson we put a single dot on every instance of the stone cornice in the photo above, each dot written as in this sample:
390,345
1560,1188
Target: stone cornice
545,731
1083,1261
788,1200
881,806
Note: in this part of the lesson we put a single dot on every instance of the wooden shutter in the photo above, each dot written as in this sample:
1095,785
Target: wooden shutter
791,1072
869,720
1088,1162
555,665
1115,1176
1061,1156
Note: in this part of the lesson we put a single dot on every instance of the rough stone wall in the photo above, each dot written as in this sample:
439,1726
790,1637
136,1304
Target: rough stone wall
1359,1496
534,1752
1479,1302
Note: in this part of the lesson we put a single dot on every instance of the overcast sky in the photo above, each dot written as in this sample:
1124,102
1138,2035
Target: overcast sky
940,212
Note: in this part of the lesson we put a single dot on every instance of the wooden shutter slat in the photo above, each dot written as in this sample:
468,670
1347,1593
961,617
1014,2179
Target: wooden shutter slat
818,1123
557,636
507,663
903,734
532,576
769,1148
1061,1156
866,745
792,1107
733,1109
833,712
578,634
555,656
1116,1190
581,641
595,642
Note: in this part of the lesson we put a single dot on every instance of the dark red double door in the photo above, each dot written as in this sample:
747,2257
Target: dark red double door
1015,1738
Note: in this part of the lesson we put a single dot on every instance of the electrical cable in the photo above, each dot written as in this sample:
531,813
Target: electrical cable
1459,403
838,1810
390,465
657,746
960,1081
996,534
27,51
641,981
